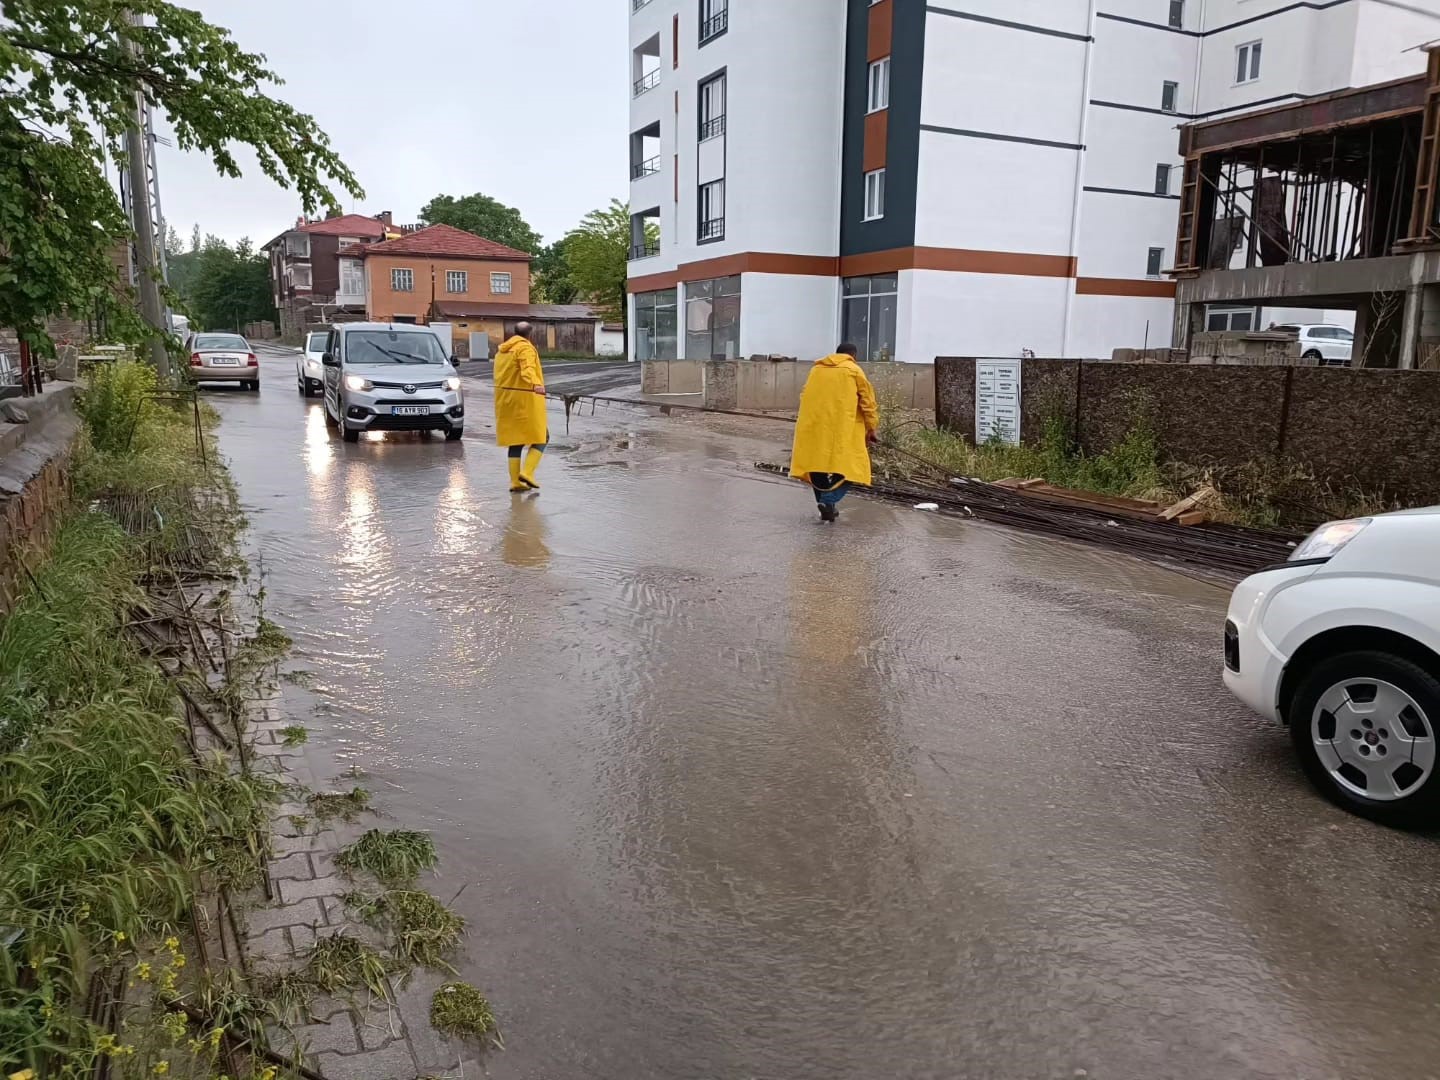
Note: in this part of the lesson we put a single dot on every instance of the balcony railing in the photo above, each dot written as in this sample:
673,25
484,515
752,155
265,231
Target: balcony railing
714,229
714,26
710,129
647,83
648,250
648,167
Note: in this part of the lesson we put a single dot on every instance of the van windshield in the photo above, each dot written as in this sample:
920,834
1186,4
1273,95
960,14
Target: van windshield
316,343
393,347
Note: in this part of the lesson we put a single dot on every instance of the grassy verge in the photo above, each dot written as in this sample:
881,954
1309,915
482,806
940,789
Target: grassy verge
1262,494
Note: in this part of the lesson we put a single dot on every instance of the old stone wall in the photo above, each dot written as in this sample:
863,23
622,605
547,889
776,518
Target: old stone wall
1374,429
34,485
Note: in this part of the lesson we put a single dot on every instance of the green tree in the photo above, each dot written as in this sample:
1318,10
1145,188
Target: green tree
598,252
551,281
483,216
229,287
68,74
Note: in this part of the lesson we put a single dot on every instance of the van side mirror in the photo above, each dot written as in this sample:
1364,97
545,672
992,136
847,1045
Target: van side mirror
328,359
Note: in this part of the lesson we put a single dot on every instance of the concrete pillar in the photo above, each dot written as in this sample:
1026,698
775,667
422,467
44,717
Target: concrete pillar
1189,321
1410,327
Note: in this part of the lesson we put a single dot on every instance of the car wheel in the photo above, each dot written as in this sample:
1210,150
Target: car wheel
352,435
302,385
330,421
1314,354
1365,725
454,434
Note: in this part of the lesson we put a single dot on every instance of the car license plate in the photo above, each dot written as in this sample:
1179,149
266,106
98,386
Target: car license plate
225,361
410,410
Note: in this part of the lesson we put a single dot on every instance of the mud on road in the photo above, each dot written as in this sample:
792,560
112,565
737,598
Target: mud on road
725,793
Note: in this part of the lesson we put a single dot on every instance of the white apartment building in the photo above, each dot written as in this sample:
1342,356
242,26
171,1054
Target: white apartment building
957,177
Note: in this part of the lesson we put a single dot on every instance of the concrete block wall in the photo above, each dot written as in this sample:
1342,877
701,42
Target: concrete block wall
1373,429
770,386
672,377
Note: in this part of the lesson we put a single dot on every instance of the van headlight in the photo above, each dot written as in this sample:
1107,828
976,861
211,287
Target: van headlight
1328,540
452,383
355,382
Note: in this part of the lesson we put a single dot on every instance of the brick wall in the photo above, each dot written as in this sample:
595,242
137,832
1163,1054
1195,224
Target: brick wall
1376,428
27,524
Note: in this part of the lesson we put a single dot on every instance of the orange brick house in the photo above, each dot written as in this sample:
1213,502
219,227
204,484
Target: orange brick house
409,278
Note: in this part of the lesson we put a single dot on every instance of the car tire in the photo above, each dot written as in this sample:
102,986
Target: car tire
1406,736
1314,354
351,435
253,385
330,421
454,434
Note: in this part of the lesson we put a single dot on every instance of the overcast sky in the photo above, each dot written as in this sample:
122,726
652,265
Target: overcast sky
521,99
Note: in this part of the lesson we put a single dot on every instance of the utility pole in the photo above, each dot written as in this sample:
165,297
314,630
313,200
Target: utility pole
137,153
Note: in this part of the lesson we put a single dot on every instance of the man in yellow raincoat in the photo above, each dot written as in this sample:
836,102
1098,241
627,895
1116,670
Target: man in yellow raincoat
520,419
838,420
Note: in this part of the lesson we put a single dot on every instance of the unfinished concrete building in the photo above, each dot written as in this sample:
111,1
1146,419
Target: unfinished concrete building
1330,203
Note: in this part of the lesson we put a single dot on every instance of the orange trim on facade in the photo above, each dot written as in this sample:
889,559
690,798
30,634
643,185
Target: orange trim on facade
1124,287
949,260
881,30
877,137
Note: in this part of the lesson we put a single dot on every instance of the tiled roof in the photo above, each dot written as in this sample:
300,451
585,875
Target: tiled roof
442,240
464,309
348,225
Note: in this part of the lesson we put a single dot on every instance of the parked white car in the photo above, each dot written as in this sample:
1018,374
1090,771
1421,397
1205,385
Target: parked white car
390,377
309,371
1342,644
1325,342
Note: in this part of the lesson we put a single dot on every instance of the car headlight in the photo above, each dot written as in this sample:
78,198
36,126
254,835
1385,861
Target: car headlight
355,382
1328,540
452,383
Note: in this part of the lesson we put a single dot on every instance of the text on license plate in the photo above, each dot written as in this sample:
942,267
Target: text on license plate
410,410
225,361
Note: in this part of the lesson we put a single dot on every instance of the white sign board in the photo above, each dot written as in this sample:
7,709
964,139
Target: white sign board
997,401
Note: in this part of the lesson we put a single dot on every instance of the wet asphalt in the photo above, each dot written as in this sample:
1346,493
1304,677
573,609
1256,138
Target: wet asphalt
725,793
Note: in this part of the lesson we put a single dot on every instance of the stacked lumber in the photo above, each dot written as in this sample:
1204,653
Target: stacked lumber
1188,511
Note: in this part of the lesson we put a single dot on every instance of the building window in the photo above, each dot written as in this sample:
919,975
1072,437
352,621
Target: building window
645,66
1177,13
300,277
1154,262
868,315
402,280
712,211
879,86
656,325
457,281
712,319
1247,62
1232,319
712,107
500,283
352,278
874,194
1169,97
714,19
1162,179
297,245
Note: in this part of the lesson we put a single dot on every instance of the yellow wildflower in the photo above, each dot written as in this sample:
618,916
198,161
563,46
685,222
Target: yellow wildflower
178,962
215,1037
173,944
120,935
23,1074
161,1068
143,970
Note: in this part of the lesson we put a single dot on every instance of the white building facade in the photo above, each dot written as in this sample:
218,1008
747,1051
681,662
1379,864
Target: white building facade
959,177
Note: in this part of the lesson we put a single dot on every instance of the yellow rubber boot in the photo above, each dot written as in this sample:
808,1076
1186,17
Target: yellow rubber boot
516,484
532,462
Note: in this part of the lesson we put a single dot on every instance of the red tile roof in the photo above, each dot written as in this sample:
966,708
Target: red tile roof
348,225
442,240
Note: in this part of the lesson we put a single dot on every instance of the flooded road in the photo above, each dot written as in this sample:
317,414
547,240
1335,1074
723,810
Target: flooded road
725,793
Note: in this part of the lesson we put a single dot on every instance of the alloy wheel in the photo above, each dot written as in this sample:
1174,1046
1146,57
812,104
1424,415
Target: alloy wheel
1374,739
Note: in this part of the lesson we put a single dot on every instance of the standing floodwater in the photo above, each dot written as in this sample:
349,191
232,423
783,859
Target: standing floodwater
726,793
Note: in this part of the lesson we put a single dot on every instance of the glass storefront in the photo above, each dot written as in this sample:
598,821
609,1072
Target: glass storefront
869,313
712,319
656,325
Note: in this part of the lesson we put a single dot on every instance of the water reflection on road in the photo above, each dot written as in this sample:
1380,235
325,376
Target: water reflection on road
728,794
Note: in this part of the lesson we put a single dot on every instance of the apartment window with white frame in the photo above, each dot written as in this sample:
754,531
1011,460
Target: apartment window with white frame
352,278
457,281
1154,262
1169,97
1162,179
875,195
297,245
300,276
501,283
1247,61
879,86
402,280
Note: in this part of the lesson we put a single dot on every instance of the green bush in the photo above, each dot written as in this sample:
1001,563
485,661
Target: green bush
114,403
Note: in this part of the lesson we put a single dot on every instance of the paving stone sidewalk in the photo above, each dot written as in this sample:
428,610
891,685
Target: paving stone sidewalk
364,1039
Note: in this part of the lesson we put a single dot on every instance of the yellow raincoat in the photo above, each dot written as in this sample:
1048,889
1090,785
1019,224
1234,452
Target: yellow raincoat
519,411
837,408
